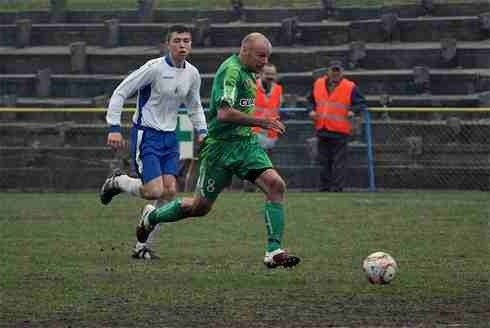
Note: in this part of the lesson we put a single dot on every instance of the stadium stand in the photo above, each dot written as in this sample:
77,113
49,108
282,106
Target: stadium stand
400,56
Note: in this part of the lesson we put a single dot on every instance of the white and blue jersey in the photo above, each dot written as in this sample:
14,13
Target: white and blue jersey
162,88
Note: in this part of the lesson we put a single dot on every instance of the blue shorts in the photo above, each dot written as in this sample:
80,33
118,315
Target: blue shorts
154,153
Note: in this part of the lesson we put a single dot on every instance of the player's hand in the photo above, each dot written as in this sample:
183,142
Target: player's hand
200,138
116,141
312,115
275,125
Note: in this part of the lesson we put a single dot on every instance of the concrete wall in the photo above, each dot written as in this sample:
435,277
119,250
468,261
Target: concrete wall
399,82
470,8
67,152
428,29
122,60
52,148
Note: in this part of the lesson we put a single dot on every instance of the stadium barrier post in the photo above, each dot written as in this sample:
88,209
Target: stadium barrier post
369,144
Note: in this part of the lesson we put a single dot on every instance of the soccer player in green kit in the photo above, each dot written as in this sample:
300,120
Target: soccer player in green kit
231,148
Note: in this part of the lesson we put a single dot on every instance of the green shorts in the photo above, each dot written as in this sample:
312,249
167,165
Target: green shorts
220,160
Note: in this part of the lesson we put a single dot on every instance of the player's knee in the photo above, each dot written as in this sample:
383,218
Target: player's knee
277,186
169,192
201,210
152,193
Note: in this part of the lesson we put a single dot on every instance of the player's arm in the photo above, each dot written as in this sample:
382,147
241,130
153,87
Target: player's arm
134,81
230,115
196,114
226,112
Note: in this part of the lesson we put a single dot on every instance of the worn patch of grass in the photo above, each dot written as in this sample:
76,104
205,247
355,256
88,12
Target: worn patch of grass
65,261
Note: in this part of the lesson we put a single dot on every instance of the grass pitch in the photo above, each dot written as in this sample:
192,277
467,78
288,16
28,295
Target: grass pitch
65,262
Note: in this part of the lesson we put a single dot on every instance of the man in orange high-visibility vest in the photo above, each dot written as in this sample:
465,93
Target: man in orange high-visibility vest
333,99
268,100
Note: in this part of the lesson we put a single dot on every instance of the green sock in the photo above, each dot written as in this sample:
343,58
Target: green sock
274,221
169,212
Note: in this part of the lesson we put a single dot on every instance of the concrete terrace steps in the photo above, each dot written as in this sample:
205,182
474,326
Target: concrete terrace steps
422,29
297,177
434,155
470,100
56,157
400,82
49,179
434,128
172,15
384,131
121,60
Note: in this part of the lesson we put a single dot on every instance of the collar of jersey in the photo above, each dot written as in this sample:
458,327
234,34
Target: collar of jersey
169,62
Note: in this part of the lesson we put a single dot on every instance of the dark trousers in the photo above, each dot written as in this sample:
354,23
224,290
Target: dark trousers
332,156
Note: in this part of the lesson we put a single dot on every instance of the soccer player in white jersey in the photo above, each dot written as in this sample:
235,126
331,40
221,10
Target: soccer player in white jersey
163,84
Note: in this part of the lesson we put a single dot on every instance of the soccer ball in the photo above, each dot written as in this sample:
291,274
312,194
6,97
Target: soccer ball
380,268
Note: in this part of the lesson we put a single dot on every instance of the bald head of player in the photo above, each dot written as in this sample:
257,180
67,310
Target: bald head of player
255,51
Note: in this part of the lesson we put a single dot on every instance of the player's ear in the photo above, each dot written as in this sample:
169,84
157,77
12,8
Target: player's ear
244,49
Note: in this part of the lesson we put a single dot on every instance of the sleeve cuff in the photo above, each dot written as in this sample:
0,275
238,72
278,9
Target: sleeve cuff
226,102
202,132
115,128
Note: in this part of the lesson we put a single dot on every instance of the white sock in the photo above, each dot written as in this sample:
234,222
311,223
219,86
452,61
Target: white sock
149,241
151,238
152,235
139,246
160,202
129,185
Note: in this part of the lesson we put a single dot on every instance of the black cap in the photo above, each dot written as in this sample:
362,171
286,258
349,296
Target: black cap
335,64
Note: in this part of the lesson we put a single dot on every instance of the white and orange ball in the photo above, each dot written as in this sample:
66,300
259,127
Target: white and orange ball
380,268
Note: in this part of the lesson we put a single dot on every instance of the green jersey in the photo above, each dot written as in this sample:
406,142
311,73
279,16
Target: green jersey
230,149
234,85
